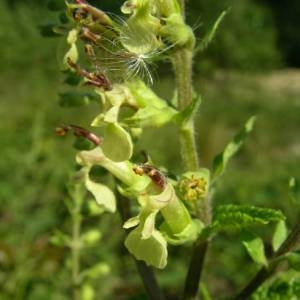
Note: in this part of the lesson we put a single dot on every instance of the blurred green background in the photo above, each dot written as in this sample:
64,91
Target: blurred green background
250,68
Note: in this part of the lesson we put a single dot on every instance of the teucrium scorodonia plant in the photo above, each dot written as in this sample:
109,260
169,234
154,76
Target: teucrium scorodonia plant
121,52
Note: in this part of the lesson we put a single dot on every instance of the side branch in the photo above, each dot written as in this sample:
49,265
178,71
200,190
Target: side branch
265,272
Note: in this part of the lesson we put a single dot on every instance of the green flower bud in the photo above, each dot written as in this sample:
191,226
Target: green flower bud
72,53
194,186
177,32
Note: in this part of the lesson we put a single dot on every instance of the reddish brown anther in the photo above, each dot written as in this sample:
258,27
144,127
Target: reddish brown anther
156,176
97,79
79,132
88,35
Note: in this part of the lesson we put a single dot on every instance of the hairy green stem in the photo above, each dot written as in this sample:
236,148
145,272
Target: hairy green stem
265,272
183,67
183,64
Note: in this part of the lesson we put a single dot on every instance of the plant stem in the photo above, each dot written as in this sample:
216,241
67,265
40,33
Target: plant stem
183,63
265,272
199,251
149,280
182,6
195,269
76,243
147,275
183,67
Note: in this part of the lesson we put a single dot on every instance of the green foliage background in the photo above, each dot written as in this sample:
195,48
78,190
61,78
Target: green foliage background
35,165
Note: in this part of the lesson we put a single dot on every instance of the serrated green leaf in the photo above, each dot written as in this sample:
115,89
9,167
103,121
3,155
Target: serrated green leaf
103,195
279,235
237,216
117,144
204,43
254,246
221,160
285,286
